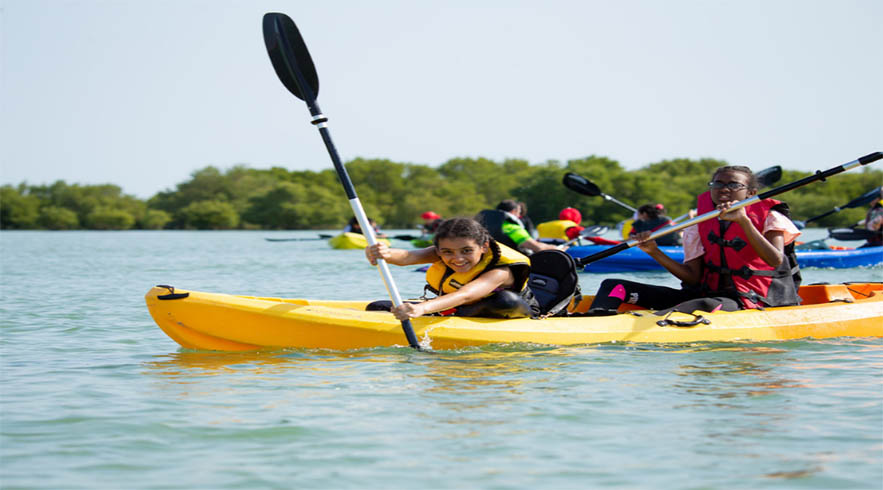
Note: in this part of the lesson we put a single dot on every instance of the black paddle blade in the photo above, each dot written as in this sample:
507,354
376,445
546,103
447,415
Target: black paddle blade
865,198
768,176
578,183
290,56
848,234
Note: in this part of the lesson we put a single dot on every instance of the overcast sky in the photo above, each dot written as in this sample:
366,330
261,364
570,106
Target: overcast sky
141,93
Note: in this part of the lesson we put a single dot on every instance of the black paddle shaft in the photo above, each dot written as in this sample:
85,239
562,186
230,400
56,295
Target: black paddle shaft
819,175
859,201
294,66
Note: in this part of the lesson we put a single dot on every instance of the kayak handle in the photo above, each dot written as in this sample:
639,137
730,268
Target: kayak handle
172,294
697,319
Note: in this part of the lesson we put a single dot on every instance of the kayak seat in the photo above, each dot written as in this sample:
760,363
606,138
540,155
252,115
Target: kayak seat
554,281
815,294
492,220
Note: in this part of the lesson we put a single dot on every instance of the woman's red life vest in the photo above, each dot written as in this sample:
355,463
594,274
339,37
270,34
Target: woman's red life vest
733,268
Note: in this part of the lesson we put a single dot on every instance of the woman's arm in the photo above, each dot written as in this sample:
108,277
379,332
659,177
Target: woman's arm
398,256
471,292
690,272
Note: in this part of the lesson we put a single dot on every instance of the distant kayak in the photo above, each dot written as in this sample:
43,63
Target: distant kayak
299,239
633,259
351,241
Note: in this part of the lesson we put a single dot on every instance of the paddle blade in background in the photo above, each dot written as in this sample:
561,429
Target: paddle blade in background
864,199
849,234
768,176
279,33
580,184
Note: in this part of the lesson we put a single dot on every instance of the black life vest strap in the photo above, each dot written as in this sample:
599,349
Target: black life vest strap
736,243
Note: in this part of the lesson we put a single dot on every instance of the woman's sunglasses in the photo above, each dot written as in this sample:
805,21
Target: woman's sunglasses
733,186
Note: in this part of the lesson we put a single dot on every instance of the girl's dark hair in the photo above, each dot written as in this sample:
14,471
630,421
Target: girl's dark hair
461,228
752,179
651,210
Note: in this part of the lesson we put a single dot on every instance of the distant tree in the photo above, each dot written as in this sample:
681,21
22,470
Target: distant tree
106,218
154,219
18,211
58,218
209,215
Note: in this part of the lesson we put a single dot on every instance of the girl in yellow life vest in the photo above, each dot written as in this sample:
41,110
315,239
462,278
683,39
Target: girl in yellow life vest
472,274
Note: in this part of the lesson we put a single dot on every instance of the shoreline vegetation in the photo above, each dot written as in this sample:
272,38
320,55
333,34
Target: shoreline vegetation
395,194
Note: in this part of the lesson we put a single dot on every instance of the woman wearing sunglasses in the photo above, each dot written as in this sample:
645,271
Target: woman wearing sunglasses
742,259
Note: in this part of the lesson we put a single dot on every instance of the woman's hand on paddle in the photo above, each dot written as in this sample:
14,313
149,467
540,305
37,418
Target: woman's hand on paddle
644,244
738,215
406,311
379,250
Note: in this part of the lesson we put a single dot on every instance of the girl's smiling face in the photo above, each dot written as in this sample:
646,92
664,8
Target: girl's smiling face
460,254
725,194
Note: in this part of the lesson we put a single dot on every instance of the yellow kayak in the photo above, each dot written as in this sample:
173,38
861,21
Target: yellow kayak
212,321
349,240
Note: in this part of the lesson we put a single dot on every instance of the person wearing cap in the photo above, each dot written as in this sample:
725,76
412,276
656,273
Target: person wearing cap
566,227
431,220
651,217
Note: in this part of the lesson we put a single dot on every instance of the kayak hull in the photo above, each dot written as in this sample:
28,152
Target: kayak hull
224,322
351,241
634,259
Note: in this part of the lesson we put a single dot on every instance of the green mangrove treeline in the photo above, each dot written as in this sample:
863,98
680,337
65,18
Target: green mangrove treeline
395,194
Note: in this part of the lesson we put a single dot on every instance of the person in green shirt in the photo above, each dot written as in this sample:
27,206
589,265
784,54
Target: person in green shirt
506,226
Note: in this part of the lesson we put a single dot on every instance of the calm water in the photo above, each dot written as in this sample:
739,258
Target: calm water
94,395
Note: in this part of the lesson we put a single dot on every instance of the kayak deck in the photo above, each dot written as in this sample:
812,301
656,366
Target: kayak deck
212,321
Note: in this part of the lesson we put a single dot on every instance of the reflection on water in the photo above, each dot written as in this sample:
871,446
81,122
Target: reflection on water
739,374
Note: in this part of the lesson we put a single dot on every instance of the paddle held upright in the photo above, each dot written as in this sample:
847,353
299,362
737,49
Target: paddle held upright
296,71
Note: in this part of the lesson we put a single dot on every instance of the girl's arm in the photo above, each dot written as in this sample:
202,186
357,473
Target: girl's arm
690,272
471,292
398,256
770,246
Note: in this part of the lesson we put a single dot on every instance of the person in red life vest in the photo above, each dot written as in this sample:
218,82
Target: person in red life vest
742,259
572,214
431,221
651,217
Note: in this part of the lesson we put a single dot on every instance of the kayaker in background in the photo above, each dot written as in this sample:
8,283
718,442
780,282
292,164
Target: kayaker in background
566,227
472,274
525,218
354,227
651,217
431,221
506,226
736,261
874,222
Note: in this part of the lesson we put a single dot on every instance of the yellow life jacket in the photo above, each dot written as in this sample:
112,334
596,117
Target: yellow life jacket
555,229
441,279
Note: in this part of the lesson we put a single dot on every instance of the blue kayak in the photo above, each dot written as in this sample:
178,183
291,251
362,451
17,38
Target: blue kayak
633,259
